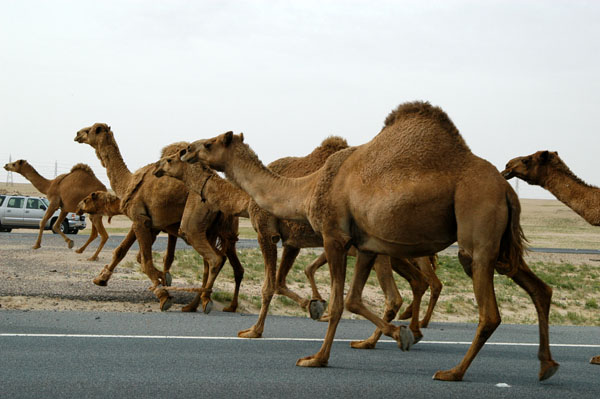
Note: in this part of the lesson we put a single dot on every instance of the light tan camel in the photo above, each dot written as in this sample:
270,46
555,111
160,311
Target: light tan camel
411,191
223,196
107,204
426,264
546,169
154,205
64,192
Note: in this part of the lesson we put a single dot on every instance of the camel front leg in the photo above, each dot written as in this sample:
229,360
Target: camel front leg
169,257
142,227
52,207
97,223
56,228
92,237
310,271
418,285
541,295
336,255
118,255
269,251
427,268
213,263
393,300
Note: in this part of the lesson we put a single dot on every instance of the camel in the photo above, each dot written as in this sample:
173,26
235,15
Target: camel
223,196
413,190
107,204
154,205
64,192
426,264
547,170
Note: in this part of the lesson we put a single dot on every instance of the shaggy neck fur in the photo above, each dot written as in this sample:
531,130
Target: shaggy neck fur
573,192
283,197
39,182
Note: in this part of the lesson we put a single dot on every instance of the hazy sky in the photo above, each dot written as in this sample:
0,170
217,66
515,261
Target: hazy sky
514,76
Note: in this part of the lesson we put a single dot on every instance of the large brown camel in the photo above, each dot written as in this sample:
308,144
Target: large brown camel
64,192
223,196
411,191
426,264
547,170
154,205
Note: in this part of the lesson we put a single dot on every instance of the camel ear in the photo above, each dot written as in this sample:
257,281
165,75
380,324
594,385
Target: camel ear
544,156
94,196
20,162
227,138
241,137
207,145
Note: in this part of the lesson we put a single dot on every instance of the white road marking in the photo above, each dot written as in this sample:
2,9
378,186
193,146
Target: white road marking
200,338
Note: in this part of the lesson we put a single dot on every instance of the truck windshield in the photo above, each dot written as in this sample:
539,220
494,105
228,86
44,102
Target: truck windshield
45,201
2,199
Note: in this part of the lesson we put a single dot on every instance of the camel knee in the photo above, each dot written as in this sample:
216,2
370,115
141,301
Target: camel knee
488,325
466,260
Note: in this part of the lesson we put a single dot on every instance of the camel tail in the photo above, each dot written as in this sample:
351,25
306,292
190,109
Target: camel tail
513,243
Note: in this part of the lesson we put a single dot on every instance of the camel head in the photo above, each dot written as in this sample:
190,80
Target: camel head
214,152
531,168
16,166
96,202
94,135
170,166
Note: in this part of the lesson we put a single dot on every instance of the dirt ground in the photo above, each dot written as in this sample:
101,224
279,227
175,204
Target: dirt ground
55,278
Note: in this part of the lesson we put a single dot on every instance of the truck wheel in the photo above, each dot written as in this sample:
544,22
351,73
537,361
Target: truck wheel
64,227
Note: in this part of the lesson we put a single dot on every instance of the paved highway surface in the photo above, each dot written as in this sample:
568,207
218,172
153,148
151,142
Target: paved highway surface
175,355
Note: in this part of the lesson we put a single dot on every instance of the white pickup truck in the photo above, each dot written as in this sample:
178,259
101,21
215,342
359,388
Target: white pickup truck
25,212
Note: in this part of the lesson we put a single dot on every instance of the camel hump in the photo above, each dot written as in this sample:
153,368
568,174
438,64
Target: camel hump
83,167
423,109
335,143
173,148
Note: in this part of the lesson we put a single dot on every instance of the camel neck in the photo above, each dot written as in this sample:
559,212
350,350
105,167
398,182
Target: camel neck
39,182
577,195
117,171
284,197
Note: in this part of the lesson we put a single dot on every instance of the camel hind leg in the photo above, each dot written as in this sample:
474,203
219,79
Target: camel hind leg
427,266
56,228
482,271
238,275
541,295
99,226
118,255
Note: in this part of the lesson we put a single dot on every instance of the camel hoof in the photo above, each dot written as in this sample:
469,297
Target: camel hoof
447,375
168,279
166,300
70,244
548,369
36,247
366,344
423,324
230,309
101,282
249,333
311,361
316,308
92,259
405,338
191,308
207,307
78,251
595,360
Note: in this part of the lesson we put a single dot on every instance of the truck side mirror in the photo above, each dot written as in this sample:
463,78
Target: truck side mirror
43,207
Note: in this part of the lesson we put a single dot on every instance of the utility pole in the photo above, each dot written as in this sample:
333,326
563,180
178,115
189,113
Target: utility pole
517,186
9,175
55,168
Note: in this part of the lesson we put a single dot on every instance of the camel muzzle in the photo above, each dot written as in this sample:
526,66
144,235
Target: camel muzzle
507,174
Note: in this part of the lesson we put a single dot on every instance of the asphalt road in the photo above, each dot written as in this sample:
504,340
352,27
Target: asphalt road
92,355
